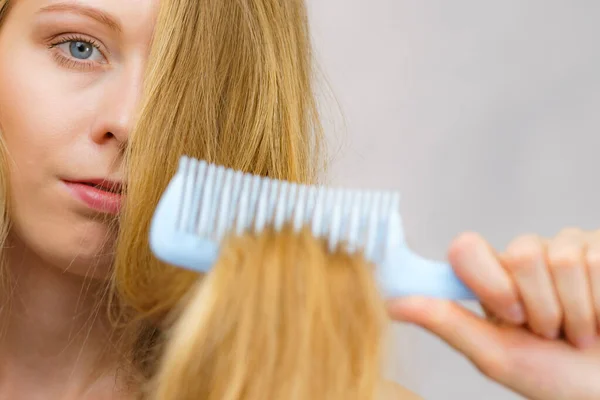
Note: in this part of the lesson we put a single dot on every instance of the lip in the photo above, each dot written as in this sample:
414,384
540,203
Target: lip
104,184
99,194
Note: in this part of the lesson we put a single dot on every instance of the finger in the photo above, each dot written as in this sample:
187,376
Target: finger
476,264
525,260
567,266
467,333
592,258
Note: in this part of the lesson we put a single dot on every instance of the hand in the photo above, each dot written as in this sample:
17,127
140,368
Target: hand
534,294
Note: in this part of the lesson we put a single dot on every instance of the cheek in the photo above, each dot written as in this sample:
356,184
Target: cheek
33,107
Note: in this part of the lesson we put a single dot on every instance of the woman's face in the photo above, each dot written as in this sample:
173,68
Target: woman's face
70,82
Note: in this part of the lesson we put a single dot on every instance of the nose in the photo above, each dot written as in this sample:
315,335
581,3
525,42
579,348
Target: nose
119,95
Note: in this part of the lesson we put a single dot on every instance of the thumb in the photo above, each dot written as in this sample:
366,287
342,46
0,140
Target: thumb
466,332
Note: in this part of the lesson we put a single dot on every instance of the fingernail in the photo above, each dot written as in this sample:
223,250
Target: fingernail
516,314
586,342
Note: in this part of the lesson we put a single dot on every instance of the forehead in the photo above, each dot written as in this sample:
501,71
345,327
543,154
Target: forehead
129,17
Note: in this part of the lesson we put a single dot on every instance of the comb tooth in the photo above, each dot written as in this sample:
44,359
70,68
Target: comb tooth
354,225
183,160
346,203
394,232
191,190
234,202
224,204
311,201
262,206
196,196
335,224
328,198
318,211
243,205
291,200
280,209
183,170
207,197
299,208
328,210
188,205
382,226
216,202
364,218
372,225
349,196
253,201
273,194
341,213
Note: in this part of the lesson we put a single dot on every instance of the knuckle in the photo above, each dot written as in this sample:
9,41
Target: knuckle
570,232
524,253
592,258
593,237
565,256
463,243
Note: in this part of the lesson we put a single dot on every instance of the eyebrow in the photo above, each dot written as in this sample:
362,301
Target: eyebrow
90,12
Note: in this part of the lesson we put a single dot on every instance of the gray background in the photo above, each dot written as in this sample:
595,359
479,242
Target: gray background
484,115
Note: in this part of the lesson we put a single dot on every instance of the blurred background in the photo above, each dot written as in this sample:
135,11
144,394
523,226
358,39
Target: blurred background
484,114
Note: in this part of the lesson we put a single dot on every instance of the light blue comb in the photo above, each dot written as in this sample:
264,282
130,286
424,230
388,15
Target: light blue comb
204,202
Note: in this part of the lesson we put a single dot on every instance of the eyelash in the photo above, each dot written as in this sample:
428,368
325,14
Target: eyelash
70,62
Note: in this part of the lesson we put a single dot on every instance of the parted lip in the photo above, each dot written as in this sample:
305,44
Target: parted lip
107,185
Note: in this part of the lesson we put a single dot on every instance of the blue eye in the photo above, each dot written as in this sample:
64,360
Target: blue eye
81,50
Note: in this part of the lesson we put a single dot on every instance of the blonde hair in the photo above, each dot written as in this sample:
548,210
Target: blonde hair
279,317
229,81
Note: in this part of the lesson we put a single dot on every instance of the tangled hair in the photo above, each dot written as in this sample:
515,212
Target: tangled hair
279,317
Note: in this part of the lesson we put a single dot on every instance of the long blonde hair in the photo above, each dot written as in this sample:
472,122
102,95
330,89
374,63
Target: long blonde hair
229,81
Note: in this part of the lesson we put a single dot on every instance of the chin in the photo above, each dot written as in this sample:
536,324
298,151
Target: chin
84,250
94,265
97,270
90,254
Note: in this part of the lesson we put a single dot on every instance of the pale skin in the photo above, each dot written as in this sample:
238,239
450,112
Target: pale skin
70,82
